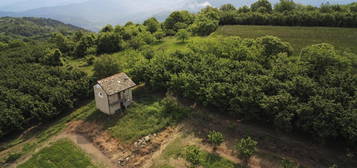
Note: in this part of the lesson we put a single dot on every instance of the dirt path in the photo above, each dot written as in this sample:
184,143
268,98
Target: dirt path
164,144
83,143
90,149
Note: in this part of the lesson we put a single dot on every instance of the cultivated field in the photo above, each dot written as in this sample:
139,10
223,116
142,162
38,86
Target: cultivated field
299,37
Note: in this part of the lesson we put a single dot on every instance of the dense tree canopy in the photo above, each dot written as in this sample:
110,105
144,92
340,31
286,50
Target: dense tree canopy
257,80
35,88
289,13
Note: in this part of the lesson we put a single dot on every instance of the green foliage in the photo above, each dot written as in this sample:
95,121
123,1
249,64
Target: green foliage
215,138
90,59
285,163
176,21
183,35
105,67
322,58
173,110
288,13
285,6
60,154
204,26
148,115
148,52
159,35
30,27
192,155
52,58
263,6
152,25
109,42
84,45
257,80
246,147
33,93
107,28
227,7
62,42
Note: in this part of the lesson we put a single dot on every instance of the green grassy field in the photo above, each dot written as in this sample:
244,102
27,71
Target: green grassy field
144,117
299,37
59,155
29,142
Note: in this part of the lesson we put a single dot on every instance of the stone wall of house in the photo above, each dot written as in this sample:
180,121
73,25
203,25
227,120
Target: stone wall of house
101,99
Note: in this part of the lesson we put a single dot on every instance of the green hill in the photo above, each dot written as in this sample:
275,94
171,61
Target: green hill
30,27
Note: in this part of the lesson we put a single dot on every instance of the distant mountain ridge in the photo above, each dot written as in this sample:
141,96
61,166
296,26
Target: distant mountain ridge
33,27
94,14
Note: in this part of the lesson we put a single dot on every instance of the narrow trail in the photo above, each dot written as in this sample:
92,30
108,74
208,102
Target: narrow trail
91,150
164,144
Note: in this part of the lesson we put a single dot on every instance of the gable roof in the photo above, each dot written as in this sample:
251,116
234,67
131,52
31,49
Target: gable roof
116,83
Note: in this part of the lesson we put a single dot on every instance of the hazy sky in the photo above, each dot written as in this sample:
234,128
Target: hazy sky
22,5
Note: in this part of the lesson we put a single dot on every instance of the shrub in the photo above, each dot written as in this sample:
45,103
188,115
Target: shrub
215,138
246,148
90,59
182,35
192,155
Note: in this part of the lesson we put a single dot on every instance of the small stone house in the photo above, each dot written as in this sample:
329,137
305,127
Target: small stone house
113,93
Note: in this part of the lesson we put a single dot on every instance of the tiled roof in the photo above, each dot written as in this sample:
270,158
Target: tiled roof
116,83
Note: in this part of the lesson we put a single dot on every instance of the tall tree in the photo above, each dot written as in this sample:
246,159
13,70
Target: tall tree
152,24
262,6
105,66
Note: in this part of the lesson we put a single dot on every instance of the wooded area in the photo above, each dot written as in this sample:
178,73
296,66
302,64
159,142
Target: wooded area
259,80
33,90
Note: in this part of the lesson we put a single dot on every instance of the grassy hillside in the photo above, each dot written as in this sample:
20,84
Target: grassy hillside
299,37
62,153
32,27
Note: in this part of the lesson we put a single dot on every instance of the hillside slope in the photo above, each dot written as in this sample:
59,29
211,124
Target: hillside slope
32,27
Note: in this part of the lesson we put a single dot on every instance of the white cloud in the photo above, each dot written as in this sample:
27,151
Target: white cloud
204,4
194,5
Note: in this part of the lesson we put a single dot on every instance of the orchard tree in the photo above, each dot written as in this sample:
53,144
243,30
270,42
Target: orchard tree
62,42
152,25
215,138
263,6
204,26
285,5
159,35
177,20
246,148
244,9
53,58
227,7
105,66
109,42
183,35
107,28
148,52
84,44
